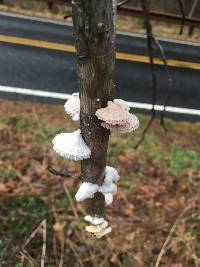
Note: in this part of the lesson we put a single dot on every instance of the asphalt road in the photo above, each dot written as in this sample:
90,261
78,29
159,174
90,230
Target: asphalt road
52,70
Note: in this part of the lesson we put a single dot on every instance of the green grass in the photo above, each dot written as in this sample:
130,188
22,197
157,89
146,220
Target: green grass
182,160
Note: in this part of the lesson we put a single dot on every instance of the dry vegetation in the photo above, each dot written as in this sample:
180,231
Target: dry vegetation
160,182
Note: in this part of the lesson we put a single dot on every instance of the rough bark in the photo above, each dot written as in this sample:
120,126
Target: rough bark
95,45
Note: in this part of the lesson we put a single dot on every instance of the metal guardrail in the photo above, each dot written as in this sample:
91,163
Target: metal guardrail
161,16
137,12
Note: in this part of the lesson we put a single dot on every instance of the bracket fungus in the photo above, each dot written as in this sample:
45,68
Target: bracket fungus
130,125
103,232
111,175
86,190
122,103
71,145
113,114
99,230
72,106
117,119
96,228
94,220
108,199
99,226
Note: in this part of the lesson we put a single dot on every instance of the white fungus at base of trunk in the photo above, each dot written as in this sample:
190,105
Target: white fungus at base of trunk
117,119
99,226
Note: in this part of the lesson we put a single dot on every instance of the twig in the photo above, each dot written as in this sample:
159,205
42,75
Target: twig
169,82
55,249
75,253
25,255
162,252
183,15
70,200
193,7
62,251
66,175
44,231
145,131
33,234
68,16
145,9
123,2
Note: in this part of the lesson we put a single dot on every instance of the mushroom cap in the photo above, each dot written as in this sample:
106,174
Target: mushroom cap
76,117
122,103
86,190
96,228
113,114
103,232
131,125
108,199
72,106
71,145
94,220
108,188
111,175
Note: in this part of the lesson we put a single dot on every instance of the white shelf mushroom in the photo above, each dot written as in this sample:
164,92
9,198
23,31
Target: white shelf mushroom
86,190
122,103
96,228
108,188
94,220
108,199
131,124
72,106
103,232
113,114
71,145
111,175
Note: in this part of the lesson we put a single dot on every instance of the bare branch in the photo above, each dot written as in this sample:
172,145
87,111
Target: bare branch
147,21
123,2
193,7
163,250
146,129
169,82
66,175
68,16
183,15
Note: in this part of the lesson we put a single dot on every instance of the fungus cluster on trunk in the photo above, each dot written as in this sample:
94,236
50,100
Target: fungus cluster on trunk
117,119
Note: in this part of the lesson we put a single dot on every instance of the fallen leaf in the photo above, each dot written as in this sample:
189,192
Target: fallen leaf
3,188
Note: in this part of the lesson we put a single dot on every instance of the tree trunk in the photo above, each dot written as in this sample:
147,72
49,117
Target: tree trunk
95,45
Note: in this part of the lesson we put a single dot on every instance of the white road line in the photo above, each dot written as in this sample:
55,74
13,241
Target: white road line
136,105
22,91
170,109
